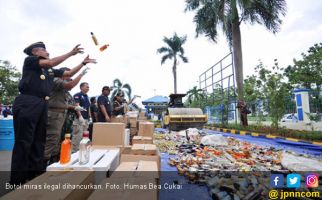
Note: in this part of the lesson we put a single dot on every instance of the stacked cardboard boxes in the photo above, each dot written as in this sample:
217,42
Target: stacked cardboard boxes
142,140
146,129
144,149
142,116
128,155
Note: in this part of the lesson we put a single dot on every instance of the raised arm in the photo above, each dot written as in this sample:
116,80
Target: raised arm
74,70
49,63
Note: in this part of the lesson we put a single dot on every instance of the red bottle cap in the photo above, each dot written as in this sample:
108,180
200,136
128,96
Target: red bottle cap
85,134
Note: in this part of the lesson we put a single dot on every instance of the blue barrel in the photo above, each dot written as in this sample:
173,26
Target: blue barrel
7,135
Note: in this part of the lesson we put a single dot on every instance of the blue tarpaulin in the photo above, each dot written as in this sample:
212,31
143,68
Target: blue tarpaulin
298,147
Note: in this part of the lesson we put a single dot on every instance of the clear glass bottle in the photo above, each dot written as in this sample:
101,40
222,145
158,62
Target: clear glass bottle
66,150
84,149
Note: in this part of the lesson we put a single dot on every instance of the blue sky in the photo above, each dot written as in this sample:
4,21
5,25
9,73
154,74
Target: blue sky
134,30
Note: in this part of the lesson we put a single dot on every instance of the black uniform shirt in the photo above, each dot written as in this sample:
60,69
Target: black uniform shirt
83,101
103,100
94,109
37,81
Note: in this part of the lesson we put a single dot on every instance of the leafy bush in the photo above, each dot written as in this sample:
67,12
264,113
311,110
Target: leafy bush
283,132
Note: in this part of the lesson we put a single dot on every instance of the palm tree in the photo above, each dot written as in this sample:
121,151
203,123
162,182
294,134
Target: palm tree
228,14
118,86
172,51
195,95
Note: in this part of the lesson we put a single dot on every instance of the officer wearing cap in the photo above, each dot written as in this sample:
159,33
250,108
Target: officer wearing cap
30,109
104,106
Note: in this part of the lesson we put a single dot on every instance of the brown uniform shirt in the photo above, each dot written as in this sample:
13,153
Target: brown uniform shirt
58,95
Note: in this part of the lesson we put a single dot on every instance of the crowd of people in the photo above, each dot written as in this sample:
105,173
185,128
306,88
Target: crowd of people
5,110
45,111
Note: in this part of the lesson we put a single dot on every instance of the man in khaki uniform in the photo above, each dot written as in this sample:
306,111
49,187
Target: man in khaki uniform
57,109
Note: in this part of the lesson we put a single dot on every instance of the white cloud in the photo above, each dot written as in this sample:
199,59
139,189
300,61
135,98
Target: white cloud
135,29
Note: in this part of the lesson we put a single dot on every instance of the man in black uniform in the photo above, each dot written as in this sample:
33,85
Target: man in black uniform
94,111
104,106
83,118
30,110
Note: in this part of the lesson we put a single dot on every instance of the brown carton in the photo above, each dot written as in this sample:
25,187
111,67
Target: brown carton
144,149
146,129
140,121
120,119
56,185
142,114
128,156
108,134
139,168
142,140
133,122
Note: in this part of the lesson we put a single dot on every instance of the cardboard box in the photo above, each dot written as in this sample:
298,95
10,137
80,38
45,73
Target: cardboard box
144,149
133,114
146,129
142,116
128,156
120,119
133,123
141,121
142,140
52,186
146,169
108,134
130,188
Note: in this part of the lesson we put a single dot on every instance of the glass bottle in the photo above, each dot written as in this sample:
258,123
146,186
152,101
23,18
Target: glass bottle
94,39
84,149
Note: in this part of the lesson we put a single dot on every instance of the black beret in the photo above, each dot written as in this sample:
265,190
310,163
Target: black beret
28,49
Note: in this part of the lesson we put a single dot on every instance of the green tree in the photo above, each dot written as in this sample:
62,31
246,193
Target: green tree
195,95
307,72
275,89
252,93
173,50
228,14
9,80
118,86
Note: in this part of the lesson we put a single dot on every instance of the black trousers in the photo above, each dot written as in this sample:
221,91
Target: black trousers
29,119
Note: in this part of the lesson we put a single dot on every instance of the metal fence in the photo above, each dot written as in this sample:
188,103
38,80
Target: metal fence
260,109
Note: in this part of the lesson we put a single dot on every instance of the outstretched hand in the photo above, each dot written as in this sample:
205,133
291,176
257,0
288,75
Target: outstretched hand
77,49
89,60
